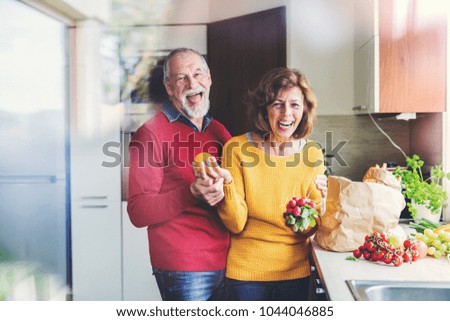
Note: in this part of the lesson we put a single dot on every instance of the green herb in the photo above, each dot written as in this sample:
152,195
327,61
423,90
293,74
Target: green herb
428,192
351,258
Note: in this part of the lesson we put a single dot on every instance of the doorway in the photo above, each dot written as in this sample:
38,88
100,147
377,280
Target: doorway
240,51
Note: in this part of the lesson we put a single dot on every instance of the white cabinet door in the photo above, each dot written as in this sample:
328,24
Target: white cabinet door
138,281
366,76
95,179
96,250
95,159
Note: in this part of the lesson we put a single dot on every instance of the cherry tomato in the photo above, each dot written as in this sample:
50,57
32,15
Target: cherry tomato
370,246
407,244
406,257
399,251
387,258
398,260
377,256
357,253
367,255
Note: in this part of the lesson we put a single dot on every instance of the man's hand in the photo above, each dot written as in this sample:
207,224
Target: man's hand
206,188
214,171
322,185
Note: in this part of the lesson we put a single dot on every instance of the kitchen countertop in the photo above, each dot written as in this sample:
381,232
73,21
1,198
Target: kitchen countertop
334,270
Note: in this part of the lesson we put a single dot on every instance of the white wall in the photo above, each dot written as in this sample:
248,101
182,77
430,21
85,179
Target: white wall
77,9
224,9
320,34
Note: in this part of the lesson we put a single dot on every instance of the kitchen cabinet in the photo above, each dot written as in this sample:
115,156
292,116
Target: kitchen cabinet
96,217
96,251
139,284
95,180
400,56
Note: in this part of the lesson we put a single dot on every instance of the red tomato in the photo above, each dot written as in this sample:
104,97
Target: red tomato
387,258
367,255
407,244
398,260
399,251
414,256
406,258
377,256
357,253
370,246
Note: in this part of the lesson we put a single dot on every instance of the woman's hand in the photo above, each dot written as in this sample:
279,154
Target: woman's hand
322,185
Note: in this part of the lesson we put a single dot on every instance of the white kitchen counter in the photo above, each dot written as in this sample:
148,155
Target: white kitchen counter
334,270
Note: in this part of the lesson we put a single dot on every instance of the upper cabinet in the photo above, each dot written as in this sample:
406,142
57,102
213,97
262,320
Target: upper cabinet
400,56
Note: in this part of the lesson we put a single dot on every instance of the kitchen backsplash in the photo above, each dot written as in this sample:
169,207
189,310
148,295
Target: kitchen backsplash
363,145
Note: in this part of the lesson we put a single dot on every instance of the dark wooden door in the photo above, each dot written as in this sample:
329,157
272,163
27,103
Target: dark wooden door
240,51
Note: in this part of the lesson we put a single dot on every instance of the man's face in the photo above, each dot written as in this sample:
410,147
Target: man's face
189,85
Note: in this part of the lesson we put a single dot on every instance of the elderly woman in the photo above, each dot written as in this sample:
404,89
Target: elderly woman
262,170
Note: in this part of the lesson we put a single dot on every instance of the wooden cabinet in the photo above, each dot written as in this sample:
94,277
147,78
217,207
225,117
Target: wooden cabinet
240,51
400,56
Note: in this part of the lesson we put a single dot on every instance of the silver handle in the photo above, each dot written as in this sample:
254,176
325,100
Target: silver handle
360,108
94,197
94,206
28,179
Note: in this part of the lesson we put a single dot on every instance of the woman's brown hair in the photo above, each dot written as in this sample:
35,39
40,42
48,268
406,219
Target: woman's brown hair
276,80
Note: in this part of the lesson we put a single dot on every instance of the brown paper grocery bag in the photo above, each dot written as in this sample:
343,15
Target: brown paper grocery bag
355,209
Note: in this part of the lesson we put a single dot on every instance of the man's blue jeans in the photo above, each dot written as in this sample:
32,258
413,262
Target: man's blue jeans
191,286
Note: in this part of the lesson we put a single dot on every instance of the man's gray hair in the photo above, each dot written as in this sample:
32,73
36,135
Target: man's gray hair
180,51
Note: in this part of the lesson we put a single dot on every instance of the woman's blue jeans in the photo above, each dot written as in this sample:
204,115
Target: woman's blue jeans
290,290
191,286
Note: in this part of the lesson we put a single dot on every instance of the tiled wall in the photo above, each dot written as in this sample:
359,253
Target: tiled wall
364,145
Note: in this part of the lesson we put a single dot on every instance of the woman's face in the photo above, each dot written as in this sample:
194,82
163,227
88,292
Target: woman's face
285,113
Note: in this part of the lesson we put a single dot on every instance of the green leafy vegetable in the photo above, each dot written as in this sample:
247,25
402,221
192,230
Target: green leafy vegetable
428,192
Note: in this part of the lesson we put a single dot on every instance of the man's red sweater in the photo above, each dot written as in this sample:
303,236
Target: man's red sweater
184,234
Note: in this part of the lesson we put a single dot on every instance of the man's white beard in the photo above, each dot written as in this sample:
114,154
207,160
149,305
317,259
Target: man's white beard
196,112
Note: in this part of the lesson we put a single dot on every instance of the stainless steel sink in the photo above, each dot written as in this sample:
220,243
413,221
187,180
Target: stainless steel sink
364,290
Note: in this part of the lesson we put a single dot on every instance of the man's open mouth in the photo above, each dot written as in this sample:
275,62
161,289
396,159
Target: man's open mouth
194,97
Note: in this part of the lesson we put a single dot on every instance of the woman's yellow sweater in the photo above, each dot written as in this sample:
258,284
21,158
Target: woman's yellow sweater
262,247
